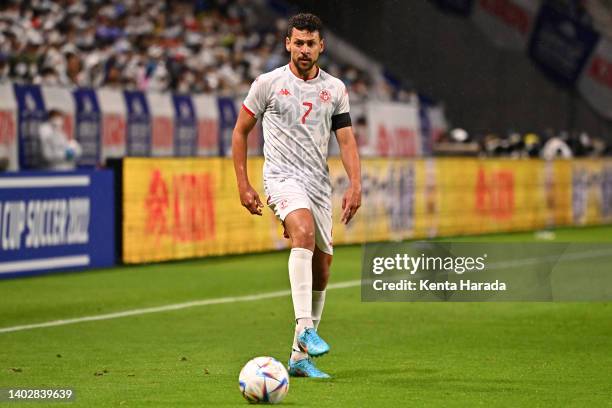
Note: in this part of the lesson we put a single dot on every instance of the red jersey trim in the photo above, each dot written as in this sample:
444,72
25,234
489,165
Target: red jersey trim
247,110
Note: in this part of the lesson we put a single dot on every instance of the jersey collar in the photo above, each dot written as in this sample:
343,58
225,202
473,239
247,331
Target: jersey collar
305,80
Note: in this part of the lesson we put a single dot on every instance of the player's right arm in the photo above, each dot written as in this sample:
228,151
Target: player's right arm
253,107
248,196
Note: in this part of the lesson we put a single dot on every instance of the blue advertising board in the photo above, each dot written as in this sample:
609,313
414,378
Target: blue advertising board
426,129
139,131
88,125
31,113
560,46
185,126
56,222
228,114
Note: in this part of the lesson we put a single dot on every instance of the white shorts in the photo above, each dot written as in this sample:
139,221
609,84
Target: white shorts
287,195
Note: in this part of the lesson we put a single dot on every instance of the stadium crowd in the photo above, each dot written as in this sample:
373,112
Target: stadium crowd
200,46
185,46
547,145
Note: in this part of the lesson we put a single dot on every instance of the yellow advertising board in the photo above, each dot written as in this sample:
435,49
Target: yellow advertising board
182,208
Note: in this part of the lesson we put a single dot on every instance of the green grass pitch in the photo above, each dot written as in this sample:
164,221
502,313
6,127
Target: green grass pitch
383,354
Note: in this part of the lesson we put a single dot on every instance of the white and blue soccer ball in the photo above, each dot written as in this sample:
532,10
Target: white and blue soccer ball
264,380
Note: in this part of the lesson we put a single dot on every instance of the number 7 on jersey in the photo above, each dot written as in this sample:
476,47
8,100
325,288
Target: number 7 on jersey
309,106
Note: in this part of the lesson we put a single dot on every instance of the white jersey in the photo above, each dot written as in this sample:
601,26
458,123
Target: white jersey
297,123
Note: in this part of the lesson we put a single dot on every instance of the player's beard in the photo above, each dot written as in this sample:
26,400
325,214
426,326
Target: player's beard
304,66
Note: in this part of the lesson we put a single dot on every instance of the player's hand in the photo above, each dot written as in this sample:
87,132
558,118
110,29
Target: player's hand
350,203
250,200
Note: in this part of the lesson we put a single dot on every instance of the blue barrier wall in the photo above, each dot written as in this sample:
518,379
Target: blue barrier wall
56,222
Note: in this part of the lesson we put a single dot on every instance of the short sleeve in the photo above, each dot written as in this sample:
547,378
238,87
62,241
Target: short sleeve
342,105
256,101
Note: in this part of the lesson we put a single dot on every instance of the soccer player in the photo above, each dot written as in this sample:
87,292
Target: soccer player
300,105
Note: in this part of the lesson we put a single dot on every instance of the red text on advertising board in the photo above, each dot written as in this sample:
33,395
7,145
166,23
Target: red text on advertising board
113,130
494,193
162,132
193,207
7,127
182,208
156,206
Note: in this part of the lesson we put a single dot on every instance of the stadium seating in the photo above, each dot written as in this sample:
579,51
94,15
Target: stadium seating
202,46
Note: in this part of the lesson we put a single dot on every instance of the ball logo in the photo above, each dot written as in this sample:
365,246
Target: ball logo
283,204
325,95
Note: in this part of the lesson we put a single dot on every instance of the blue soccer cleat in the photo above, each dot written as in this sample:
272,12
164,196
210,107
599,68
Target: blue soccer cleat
310,342
305,368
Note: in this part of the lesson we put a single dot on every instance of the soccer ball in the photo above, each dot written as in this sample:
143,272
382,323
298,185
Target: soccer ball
264,379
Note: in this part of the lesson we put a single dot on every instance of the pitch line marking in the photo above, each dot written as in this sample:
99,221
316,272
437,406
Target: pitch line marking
166,308
281,293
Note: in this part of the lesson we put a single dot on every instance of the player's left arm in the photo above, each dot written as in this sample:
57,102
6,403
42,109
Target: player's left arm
350,159
341,124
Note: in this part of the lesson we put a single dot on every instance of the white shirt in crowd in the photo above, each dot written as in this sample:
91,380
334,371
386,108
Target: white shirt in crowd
556,148
57,151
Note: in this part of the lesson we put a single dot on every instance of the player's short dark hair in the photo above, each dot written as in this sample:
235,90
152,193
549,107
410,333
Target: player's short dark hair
305,21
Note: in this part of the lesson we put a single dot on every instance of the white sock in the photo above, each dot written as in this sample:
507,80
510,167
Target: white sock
300,277
318,302
296,353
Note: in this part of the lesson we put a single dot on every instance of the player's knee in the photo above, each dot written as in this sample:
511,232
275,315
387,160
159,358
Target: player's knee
303,237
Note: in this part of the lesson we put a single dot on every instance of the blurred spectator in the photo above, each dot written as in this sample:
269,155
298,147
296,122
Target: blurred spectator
4,68
48,77
581,144
457,142
532,145
600,147
74,70
112,74
459,135
201,46
516,146
561,145
556,147
58,153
